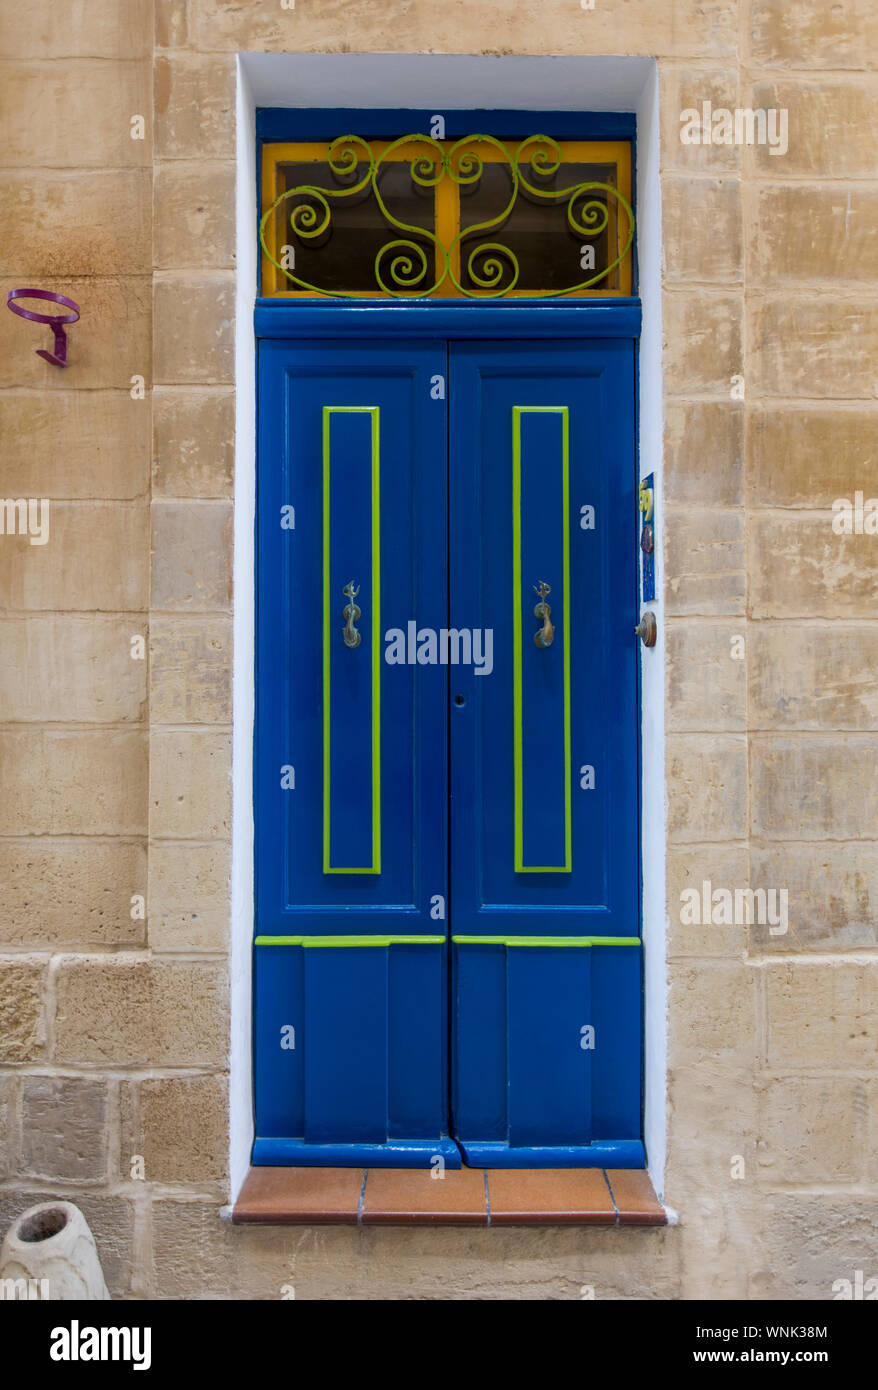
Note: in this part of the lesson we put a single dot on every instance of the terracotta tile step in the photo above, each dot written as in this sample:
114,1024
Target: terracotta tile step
463,1197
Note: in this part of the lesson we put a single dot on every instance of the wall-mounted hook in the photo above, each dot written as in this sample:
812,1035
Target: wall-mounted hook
58,357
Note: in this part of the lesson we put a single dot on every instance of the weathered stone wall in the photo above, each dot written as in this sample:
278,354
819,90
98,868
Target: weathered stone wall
115,771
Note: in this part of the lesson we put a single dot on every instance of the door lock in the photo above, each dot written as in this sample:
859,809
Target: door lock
647,629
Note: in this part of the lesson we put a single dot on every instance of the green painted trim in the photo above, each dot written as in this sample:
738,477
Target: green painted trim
326,639
517,412
374,412
376,642
324,941
546,940
516,636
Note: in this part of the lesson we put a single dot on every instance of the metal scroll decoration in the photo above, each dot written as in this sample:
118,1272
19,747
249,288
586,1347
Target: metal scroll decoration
402,267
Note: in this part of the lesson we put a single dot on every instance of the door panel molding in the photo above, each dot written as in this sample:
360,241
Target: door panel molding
537,731
355,731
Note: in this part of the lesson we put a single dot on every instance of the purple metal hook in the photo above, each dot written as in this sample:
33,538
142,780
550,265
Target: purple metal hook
56,322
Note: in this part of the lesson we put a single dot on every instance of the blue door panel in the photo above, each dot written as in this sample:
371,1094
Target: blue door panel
547,1056
362,1077
545,760
278,1007
549,1072
351,837
616,1094
350,756
346,1045
544,753
479,1059
417,1051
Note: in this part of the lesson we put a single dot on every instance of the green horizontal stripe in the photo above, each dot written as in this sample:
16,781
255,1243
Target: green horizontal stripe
324,941
349,940
546,940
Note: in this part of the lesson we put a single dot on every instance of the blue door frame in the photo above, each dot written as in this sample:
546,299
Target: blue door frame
453,1036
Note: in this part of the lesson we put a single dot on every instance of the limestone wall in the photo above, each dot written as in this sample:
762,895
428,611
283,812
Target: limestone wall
116,770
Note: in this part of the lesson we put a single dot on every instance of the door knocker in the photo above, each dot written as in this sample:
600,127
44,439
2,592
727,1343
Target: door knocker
351,615
546,635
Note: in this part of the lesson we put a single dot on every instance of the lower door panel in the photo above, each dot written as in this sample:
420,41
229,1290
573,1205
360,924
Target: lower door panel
351,1069
547,1055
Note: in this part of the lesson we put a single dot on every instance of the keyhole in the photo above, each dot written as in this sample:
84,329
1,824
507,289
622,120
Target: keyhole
460,699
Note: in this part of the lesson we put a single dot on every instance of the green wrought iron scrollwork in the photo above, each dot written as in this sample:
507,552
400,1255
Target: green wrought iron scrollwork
402,265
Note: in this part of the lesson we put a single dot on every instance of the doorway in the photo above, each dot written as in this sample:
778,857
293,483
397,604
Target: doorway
448,888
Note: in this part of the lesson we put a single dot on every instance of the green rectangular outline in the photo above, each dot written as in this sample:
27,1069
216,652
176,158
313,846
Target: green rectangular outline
325,941
328,412
578,941
517,412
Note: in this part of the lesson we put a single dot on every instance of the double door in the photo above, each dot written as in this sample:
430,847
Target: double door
447,954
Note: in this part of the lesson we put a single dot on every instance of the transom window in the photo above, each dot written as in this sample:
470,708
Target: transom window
478,218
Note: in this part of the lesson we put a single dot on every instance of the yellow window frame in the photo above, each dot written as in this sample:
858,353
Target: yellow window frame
446,226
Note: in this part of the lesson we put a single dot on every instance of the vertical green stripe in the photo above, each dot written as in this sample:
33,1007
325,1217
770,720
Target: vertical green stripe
516,633
517,412
376,647
329,635
327,638
565,521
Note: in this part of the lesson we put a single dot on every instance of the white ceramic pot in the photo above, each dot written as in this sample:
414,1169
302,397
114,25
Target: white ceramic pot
49,1252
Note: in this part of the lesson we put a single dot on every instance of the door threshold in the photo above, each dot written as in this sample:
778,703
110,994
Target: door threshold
462,1197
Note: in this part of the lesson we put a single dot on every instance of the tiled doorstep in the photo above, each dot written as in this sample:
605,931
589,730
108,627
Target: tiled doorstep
463,1197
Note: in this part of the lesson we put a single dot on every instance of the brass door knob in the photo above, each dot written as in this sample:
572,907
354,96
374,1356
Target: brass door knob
647,629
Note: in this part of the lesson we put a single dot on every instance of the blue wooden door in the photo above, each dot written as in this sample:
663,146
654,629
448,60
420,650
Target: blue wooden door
420,994
351,757
544,754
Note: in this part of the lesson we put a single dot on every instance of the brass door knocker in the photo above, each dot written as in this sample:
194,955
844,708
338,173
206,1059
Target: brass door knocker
546,635
351,615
